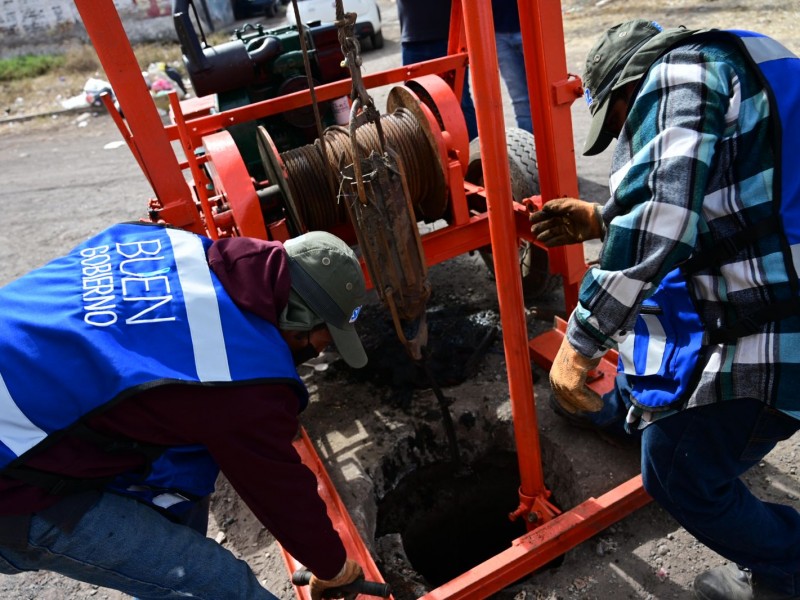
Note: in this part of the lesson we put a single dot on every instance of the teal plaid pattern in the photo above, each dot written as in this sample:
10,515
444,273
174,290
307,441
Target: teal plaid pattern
694,163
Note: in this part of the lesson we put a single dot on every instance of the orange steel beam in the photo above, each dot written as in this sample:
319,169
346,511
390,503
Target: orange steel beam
202,125
500,208
457,43
552,90
111,43
538,547
338,514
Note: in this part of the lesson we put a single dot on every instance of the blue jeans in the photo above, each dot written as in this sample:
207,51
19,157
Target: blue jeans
125,545
512,68
414,52
691,463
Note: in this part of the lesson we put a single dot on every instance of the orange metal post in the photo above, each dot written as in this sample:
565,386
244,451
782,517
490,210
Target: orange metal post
552,91
489,109
457,44
338,514
111,43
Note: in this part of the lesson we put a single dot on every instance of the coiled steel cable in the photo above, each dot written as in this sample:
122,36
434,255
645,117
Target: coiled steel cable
309,185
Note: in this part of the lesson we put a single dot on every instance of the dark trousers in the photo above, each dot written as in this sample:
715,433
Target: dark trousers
414,52
691,463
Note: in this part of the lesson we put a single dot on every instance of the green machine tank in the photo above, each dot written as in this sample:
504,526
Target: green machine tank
259,64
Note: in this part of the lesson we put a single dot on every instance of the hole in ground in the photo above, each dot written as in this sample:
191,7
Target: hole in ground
450,521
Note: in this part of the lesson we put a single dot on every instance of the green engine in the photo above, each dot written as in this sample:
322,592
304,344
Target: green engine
259,64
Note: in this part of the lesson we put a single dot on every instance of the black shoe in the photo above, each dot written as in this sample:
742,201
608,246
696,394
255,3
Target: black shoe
730,582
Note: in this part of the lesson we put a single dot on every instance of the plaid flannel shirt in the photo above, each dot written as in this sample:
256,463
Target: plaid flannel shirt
695,162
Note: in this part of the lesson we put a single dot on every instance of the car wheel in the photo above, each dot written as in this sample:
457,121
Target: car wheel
270,11
524,172
377,40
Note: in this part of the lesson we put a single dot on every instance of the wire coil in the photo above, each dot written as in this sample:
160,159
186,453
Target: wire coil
318,204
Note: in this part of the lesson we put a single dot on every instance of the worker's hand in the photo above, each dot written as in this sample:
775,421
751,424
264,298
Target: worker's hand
349,573
568,379
567,221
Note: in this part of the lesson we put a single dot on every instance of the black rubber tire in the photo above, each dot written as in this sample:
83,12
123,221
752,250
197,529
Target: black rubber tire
524,173
377,40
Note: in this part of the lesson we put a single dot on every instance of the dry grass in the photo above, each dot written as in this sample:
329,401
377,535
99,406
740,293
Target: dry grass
44,93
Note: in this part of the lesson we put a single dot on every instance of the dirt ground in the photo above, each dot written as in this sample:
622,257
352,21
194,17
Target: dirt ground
67,177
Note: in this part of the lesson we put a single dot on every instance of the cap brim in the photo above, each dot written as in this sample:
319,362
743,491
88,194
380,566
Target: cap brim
349,346
598,139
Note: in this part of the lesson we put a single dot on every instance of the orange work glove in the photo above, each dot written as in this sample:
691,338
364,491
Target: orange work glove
568,380
349,573
567,221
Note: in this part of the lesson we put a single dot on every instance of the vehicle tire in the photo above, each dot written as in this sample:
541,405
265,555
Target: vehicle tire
270,11
377,40
524,173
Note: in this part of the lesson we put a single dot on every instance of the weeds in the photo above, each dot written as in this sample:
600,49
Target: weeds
25,67
81,59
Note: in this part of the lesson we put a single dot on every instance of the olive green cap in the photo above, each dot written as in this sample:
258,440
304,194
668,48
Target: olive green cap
624,53
327,277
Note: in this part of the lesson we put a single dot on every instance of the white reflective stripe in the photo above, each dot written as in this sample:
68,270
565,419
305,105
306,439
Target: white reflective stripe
764,49
656,344
167,500
202,308
16,430
625,351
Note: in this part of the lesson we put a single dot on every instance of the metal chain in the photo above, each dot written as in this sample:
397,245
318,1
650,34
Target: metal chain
309,78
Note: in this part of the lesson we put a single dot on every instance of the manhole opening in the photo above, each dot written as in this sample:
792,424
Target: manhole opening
449,521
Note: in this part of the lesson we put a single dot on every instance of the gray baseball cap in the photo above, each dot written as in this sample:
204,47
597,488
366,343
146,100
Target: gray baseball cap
327,277
624,53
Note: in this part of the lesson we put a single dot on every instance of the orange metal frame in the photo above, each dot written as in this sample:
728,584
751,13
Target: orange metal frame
552,91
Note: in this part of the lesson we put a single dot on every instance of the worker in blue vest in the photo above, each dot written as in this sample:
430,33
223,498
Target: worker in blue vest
137,367
697,283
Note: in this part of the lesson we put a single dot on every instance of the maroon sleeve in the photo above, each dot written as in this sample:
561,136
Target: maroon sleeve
255,273
249,432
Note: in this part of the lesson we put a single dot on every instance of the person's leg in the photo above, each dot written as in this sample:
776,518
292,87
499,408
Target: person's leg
414,52
512,68
127,546
691,463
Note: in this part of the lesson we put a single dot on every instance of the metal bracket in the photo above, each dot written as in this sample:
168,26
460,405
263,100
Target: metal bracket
567,90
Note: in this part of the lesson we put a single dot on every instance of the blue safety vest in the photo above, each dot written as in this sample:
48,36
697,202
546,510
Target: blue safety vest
663,357
132,308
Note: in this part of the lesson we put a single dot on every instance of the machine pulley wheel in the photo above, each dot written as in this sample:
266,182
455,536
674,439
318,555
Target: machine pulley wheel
278,175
